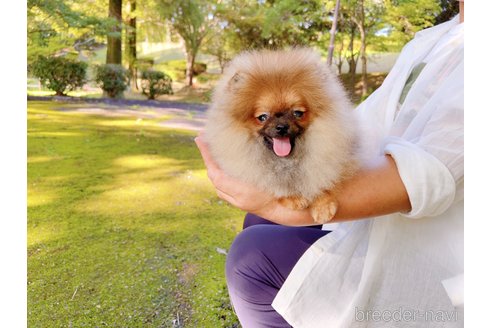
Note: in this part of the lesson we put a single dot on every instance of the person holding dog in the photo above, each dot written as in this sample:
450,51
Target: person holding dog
393,254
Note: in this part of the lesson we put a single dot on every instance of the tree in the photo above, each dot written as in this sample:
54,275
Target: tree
332,33
360,20
274,23
404,18
113,54
347,40
289,22
188,19
378,25
131,42
367,15
55,26
220,44
151,25
449,9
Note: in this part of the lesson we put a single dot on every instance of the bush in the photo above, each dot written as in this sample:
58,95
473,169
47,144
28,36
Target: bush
156,83
144,64
177,68
59,73
199,68
113,79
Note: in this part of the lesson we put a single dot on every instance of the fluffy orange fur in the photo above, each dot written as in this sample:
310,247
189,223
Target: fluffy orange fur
260,94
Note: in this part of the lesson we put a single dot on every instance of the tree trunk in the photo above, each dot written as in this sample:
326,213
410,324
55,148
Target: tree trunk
363,57
113,55
132,44
190,62
340,58
332,33
352,62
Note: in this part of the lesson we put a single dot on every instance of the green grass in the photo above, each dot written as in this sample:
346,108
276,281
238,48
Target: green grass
123,225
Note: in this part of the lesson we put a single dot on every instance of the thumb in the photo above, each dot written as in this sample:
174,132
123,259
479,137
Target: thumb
212,167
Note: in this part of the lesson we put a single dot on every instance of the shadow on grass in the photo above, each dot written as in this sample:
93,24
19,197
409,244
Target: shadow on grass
123,226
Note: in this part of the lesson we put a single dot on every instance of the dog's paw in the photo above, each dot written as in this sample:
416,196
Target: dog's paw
294,202
324,208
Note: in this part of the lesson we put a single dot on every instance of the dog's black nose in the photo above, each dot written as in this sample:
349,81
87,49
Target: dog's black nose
282,129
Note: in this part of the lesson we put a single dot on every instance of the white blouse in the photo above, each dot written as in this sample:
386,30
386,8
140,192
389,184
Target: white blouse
403,269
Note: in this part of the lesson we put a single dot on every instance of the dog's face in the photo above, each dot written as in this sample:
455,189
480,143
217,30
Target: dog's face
272,108
276,96
280,119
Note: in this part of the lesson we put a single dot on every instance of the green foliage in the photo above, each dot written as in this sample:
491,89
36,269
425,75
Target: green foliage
289,22
151,26
275,24
59,74
406,17
56,25
113,79
220,44
177,68
387,26
155,83
224,28
144,63
189,19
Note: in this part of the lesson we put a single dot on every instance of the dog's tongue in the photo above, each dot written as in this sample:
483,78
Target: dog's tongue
281,146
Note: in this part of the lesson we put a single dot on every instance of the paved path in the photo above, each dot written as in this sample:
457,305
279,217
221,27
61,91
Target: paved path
183,115
124,102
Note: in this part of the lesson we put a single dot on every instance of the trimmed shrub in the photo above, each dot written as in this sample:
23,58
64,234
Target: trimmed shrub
177,68
199,68
144,64
59,74
156,83
113,79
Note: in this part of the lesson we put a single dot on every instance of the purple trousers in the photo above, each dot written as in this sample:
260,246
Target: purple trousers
259,260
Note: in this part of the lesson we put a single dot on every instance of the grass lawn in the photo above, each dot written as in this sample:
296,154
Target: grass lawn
124,229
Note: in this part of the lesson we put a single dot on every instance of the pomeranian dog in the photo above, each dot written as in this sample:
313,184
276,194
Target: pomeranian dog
281,120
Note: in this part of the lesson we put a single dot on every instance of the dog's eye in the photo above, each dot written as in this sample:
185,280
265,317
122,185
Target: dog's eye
298,113
262,117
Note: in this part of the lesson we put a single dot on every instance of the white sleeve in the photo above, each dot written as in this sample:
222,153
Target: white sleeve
429,184
430,154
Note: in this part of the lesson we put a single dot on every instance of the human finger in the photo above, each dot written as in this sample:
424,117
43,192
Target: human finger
226,197
212,167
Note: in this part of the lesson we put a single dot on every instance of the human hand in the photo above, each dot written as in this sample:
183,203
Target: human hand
248,197
236,192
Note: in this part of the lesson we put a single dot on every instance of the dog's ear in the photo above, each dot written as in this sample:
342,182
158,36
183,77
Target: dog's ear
236,81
